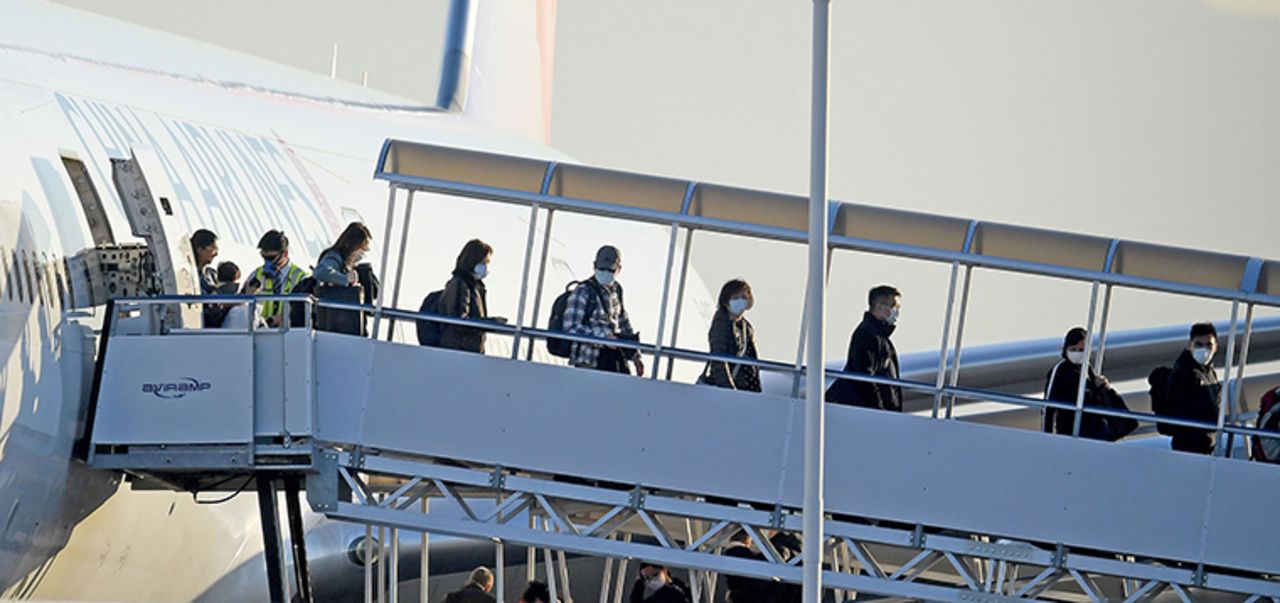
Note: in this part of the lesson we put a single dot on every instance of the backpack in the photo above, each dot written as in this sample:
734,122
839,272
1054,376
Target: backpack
1267,450
298,312
1161,405
563,348
429,330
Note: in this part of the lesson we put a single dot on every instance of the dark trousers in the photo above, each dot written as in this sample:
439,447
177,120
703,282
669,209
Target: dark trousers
612,360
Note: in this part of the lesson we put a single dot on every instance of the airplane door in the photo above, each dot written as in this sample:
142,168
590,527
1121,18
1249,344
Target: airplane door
151,218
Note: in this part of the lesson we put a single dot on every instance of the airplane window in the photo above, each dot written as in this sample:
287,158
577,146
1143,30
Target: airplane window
37,270
50,275
64,281
13,274
31,282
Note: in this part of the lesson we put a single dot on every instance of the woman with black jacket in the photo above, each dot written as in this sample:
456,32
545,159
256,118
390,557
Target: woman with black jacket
464,297
1062,385
731,334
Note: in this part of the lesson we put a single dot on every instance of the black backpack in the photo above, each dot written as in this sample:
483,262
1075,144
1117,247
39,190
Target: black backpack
563,348
298,312
429,330
1161,405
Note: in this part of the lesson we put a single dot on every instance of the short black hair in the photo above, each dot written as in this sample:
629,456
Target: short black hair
202,238
228,272
1203,328
880,291
1074,336
536,591
274,240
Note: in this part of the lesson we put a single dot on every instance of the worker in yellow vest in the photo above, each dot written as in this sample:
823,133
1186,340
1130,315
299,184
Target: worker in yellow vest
276,276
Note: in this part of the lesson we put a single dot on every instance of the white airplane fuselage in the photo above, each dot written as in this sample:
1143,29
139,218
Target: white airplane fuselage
238,159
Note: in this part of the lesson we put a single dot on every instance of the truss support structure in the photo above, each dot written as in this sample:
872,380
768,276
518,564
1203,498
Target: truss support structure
860,555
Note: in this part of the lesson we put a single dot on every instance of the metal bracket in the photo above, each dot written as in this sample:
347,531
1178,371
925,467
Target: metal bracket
322,482
1198,577
776,518
918,536
637,498
1059,556
498,478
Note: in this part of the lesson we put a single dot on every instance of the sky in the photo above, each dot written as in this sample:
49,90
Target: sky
1152,120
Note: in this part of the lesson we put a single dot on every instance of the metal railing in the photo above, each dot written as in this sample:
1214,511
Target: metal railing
675,353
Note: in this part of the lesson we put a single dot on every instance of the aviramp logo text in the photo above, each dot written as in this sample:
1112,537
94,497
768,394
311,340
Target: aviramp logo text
176,389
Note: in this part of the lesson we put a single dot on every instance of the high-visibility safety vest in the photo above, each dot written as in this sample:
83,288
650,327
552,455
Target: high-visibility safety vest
277,286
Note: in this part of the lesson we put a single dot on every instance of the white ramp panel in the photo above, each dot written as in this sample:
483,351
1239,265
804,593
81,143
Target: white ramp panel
174,391
686,438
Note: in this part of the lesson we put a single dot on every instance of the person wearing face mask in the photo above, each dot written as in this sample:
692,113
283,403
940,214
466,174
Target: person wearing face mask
872,353
596,309
1193,389
277,274
1062,385
465,297
655,584
731,334
337,265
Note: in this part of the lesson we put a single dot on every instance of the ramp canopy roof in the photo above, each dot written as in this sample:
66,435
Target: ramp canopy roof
868,228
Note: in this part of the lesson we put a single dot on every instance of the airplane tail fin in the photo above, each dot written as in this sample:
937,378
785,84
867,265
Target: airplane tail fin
499,64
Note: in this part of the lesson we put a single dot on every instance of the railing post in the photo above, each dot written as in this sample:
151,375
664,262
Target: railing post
542,275
960,322
666,293
1224,400
1104,319
382,270
675,320
946,338
1239,407
1084,366
524,279
404,242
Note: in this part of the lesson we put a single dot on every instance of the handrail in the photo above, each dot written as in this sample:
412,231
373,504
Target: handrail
695,355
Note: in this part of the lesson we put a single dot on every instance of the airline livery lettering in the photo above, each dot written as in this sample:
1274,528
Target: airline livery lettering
243,181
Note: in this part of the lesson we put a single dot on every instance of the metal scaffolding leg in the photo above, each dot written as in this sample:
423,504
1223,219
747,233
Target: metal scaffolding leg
272,547
297,538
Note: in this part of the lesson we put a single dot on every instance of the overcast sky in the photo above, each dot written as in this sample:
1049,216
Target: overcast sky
1145,119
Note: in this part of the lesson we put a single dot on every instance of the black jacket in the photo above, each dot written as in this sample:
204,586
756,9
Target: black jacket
675,591
464,297
469,594
741,588
1193,394
732,338
754,590
1062,384
871,353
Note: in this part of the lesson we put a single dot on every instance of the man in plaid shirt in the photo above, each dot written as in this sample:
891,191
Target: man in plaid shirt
608,319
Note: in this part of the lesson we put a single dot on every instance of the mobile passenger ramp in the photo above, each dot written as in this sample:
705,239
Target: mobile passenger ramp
571,460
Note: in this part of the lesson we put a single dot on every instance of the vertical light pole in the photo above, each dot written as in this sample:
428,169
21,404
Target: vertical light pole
814,423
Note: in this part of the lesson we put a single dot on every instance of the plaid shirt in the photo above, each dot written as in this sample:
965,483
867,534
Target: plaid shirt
609,320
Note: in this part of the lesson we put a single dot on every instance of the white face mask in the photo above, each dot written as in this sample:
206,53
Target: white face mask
893,316
655,582
357,256
737,306
481,270
604,277
1075,356
1202,355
